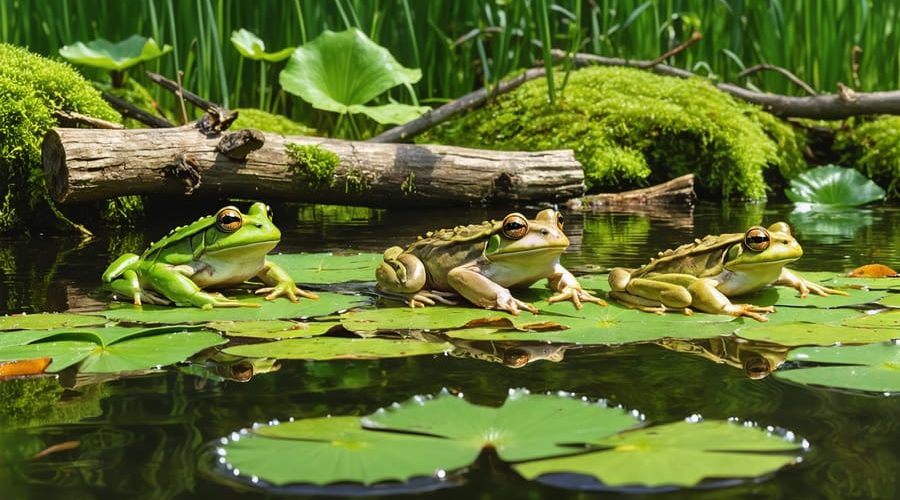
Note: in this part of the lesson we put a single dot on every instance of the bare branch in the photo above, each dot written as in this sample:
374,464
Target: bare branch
787,74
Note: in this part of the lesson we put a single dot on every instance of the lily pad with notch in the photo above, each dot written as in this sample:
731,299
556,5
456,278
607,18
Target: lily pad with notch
870,368
328,348
328,268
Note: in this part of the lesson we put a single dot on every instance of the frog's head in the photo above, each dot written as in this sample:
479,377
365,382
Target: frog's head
234,234
763,248
520,238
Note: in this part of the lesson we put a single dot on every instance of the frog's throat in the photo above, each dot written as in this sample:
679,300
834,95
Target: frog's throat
258,247
750,265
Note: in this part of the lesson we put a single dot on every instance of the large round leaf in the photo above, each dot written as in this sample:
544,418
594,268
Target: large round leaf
252,47
324,348
796,334
280,308
322,268
678,454
343,71
874,367
103,54
527,426
833,185
46,321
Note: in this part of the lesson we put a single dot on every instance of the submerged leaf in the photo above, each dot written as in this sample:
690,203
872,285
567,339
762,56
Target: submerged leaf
324,348
835,186
873,367
119,56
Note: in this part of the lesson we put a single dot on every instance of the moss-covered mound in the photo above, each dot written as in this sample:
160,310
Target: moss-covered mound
268,122
31,89
873,147
630,127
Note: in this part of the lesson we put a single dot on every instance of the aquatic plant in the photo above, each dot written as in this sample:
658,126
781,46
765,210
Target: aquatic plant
835,186
631,127
252,47
114,57
873,147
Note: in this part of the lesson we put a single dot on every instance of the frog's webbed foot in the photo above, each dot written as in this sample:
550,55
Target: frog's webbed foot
823,291
652,306
286,289
151,297
749,310
577,296
431,297
506,302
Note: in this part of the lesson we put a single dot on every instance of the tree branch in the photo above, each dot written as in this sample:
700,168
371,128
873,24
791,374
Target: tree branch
787,74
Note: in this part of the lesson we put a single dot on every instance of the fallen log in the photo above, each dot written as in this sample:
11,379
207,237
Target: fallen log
85,164
678,191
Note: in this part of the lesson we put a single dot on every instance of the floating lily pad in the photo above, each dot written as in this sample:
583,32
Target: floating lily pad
113,349
842,281
322,268
103,54
439,318
324,348
832,185
46,321
796,334
891,300
802,315
279,308
678,454
252,47
883,319
873,367
272,329
783,296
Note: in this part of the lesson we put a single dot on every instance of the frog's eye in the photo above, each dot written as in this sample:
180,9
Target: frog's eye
229,219
559,221
757,239
269,212
515,226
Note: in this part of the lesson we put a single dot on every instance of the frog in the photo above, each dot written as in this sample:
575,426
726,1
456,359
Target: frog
704,274
481,262
215,251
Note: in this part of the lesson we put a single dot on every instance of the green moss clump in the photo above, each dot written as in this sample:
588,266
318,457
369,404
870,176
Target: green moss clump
873,147
631,127
315,163
268,122
31,89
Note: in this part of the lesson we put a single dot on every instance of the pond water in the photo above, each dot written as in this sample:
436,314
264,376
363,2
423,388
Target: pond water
144,437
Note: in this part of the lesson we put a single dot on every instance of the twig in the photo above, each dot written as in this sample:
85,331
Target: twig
131,111
180,94
69,118
787,74
174,87
695,37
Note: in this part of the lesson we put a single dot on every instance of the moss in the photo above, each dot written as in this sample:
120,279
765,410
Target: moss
873,147
268,122
630,127
31,89
316,164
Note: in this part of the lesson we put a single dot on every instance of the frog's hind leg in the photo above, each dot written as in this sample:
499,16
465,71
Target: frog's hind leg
181,290
658,295
129,285
708,298
646,305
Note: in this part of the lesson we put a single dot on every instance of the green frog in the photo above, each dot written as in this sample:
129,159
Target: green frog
705,273
214,252
481,262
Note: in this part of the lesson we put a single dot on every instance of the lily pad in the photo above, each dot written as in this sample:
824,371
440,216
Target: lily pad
843,281
883,319
103,54
113,349
891,300
677,454
272,329
280,308
343,71
327,268
46,321
366,321
873,367
325,348
835,186
252,47
796,334
783,296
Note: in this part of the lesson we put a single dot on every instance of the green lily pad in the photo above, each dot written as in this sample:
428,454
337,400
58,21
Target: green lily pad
280,308
341,72
46,321
883,319
252,47
325,348
526,427
327,268
843,281
323,451
272,329
833,186
796,334
114,349
873,367
367,321
782,296
891,300
677,454
802,315
103,54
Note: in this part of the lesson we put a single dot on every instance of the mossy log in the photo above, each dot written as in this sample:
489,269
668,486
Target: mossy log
85,164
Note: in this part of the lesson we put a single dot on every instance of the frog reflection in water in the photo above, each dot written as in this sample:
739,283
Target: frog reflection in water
704,274
214,252
481,261
756,359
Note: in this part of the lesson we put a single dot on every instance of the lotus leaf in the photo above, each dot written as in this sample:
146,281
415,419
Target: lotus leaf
269,309
321,268
796,334
873,367
272,329
833,185
325,348
677,454
46,321
103,54
341,72
252,47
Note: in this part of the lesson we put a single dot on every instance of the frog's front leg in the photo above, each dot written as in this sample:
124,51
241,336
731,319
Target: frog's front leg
280,284
176,286
128,285
708,298
568,287
787,278
481,291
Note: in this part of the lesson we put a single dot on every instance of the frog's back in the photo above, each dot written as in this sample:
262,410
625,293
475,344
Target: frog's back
701,257
442,250
178,235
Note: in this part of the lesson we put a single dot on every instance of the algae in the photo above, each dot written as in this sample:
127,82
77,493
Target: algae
873,147
630,128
